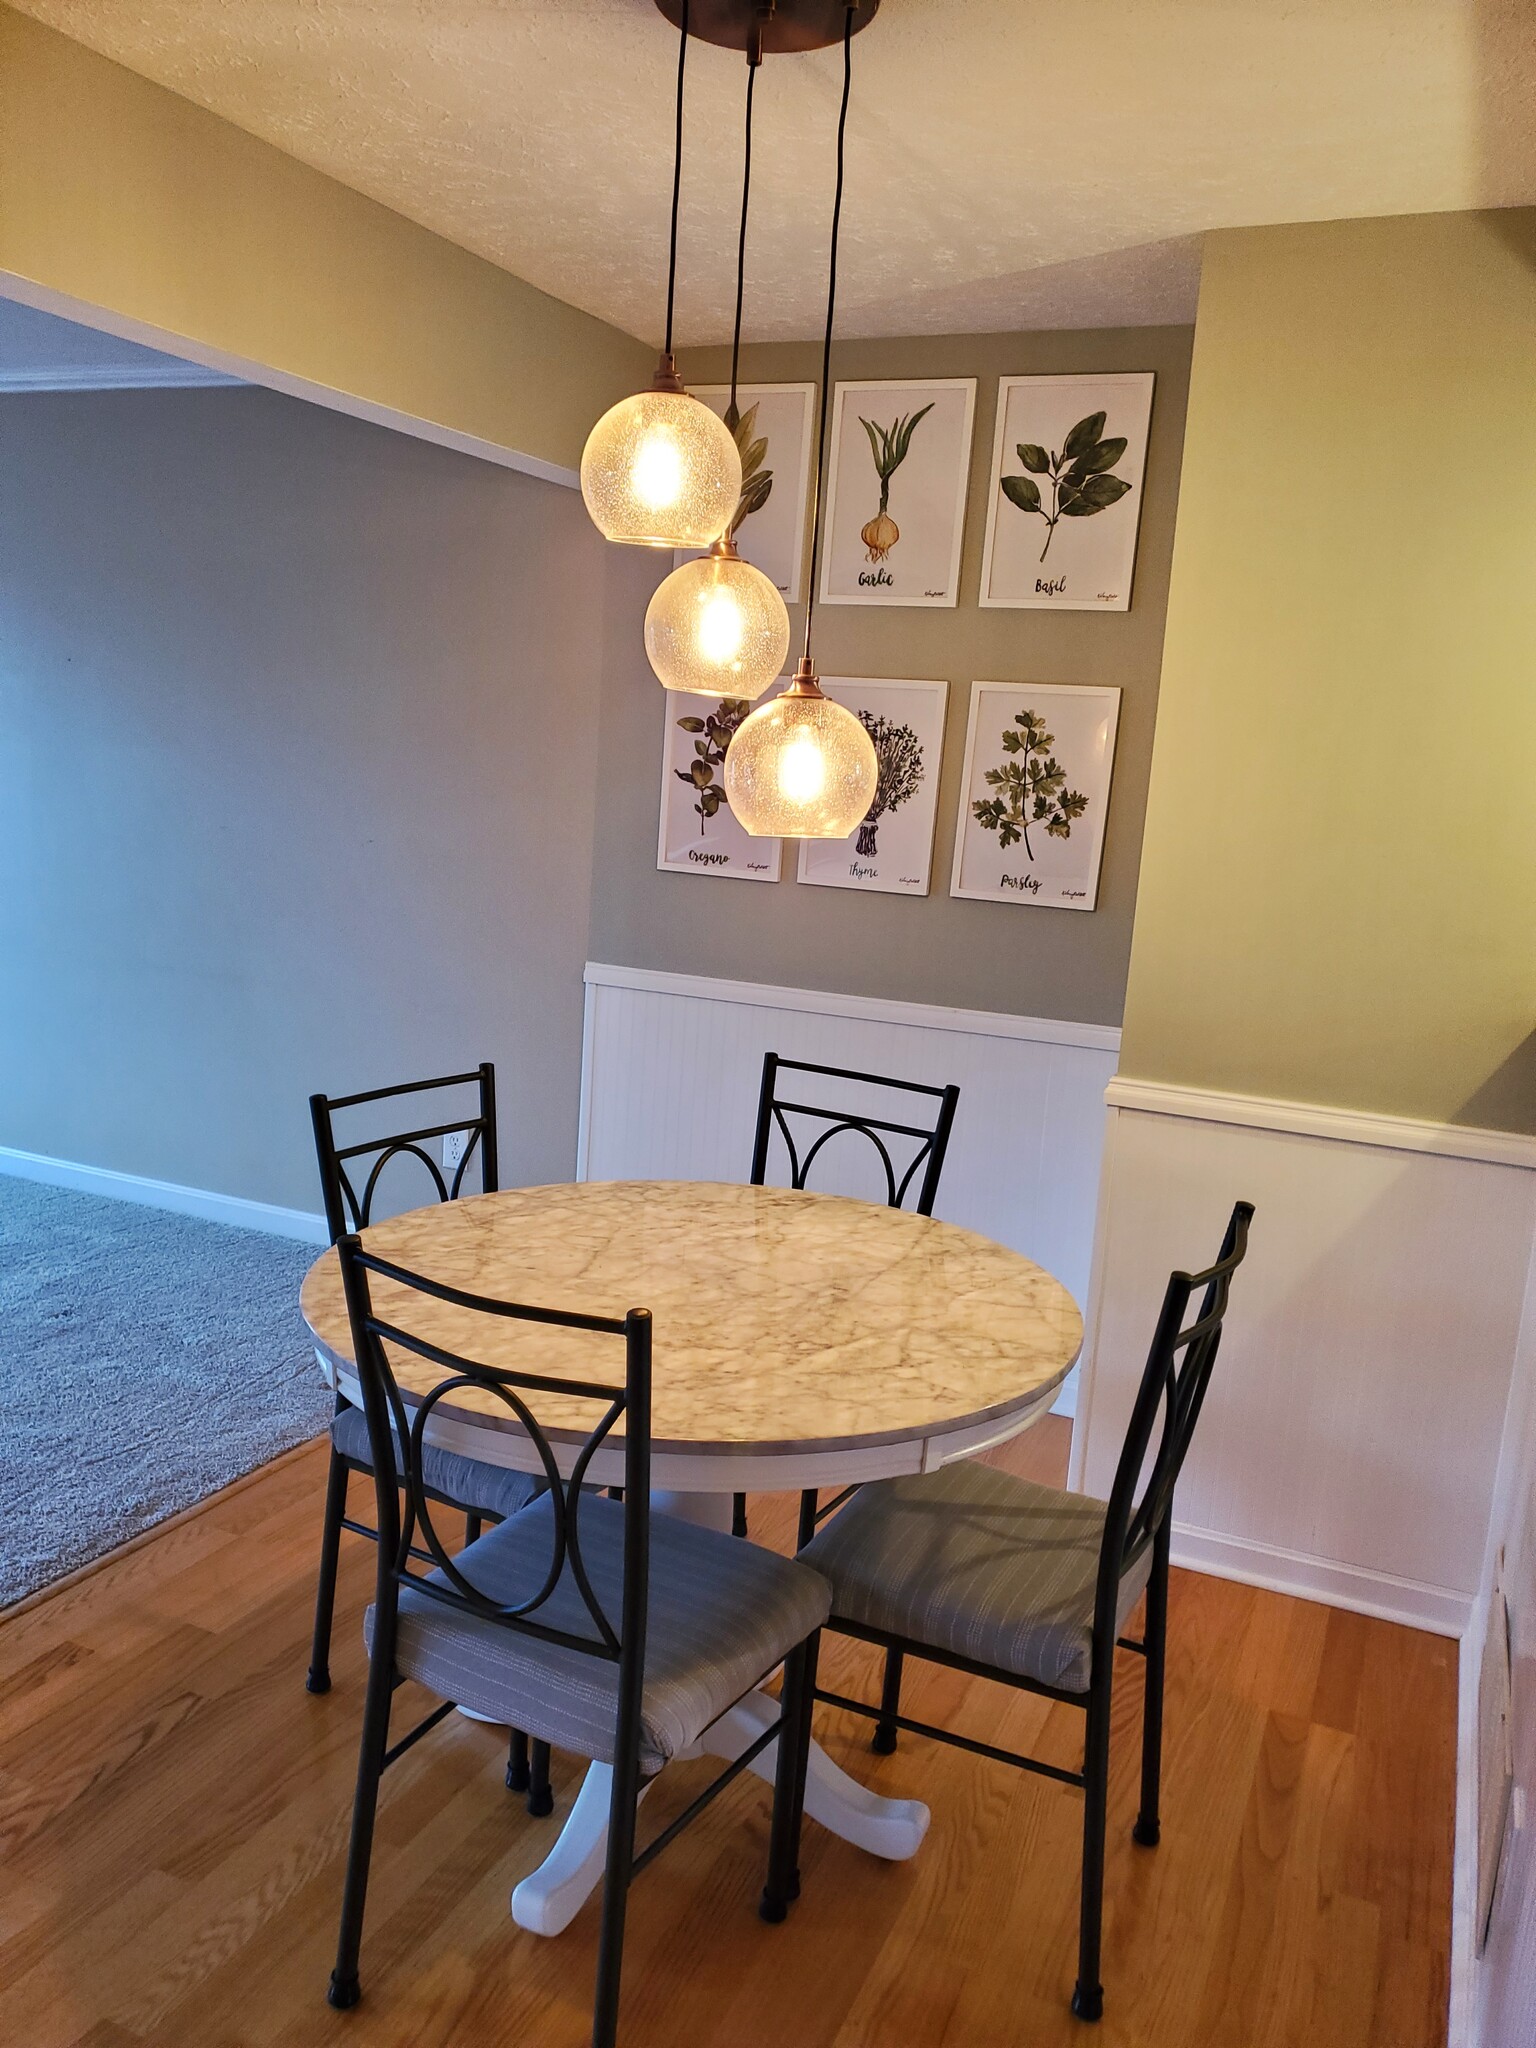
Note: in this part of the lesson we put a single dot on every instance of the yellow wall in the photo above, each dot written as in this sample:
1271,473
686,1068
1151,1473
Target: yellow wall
121,195
1337,901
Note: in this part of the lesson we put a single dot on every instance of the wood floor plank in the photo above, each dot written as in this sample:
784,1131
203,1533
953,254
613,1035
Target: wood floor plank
174,1811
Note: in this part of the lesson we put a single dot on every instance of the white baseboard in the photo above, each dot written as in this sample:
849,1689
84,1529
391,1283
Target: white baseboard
1438,1609
1460,2031
164,1194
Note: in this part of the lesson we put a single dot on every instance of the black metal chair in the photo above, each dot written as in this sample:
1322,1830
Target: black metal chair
934,1565
582,1619
483,1492
931,1142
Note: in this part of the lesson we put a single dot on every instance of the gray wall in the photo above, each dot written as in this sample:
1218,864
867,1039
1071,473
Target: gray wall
1038,962
297,731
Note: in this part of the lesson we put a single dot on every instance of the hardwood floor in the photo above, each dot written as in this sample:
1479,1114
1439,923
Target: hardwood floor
174,1808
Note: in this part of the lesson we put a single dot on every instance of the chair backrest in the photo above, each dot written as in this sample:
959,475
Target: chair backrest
931,1139
397,1436
1177,1373
345,1208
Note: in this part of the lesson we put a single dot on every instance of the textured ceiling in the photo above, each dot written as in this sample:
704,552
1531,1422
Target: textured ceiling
1012,163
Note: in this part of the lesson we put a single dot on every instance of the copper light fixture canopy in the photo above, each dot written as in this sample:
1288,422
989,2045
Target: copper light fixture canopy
775,27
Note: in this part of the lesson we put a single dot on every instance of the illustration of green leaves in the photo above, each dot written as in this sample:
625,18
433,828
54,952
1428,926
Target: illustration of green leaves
756,482
1031,788
1079,480
888,446
717,731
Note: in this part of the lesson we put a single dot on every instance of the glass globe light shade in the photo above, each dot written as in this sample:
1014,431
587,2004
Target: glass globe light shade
802,767
717,626
660,469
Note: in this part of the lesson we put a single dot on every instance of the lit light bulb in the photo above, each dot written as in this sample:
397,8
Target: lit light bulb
660,469
721,628
657,475
802,767
717,626
802,770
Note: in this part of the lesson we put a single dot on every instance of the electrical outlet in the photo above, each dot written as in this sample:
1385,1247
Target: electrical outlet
455,1145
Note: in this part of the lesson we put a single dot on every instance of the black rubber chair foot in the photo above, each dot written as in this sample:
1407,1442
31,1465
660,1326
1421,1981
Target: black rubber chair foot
1148,1832
344,1992
883,1742
771,1909
541,1803
317,1681
1088,2005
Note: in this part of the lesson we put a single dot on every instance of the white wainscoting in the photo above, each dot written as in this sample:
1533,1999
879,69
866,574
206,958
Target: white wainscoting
671,1065
1350,1438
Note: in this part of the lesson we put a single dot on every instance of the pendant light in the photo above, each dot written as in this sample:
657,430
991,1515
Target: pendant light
660,469
803,767
718,625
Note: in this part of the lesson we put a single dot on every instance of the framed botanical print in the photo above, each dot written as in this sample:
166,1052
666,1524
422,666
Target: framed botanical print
899,456
1034,794
1068,458
698,834
892,850
773,436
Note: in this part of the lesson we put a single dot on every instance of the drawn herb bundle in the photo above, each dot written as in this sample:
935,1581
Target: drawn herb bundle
1032,790
889,446
899,757
717,731
1078,476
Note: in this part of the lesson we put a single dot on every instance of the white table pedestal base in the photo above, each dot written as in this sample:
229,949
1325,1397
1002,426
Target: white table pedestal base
549,1898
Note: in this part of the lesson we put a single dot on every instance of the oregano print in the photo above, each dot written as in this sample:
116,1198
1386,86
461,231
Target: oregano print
712,736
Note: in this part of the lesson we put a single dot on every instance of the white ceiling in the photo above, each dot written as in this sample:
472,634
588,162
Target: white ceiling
1012,163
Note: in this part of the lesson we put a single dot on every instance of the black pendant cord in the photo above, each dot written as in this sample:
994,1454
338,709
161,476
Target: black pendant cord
826,346
677,176
754,58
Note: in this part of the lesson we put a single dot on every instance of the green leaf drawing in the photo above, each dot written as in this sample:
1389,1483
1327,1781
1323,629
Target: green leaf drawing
756,482
718,730
1078,473
1031,788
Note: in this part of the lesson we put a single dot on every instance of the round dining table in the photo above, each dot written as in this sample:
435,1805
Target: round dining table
799,1341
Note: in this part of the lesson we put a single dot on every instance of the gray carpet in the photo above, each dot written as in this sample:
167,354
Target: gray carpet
145,1361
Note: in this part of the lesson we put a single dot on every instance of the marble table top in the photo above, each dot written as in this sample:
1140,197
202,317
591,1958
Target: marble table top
783,1320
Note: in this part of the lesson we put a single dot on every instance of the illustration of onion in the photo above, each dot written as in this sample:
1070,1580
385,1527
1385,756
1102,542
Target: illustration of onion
889,447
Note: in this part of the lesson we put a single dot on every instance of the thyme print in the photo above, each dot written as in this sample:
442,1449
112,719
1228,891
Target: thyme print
756,482
1032,790
1079,479
889,447
717,731
899,755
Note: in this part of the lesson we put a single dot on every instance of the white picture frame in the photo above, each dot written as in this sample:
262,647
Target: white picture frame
773,538
1086,562
1060,870
892,852
927,492
689,840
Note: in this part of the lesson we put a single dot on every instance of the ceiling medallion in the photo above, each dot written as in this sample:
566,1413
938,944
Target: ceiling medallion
786,27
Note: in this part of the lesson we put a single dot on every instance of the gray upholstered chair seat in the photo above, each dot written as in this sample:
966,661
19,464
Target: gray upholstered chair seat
481,1489
722,1614
972,1561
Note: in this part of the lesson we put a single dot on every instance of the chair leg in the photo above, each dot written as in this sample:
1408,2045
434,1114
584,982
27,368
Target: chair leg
472,1527
883,1741
1148,1828
807,1525
517,1762
1088,1993
541,1800
319,1678
738,1514
796,1703
623,1805
345,1989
